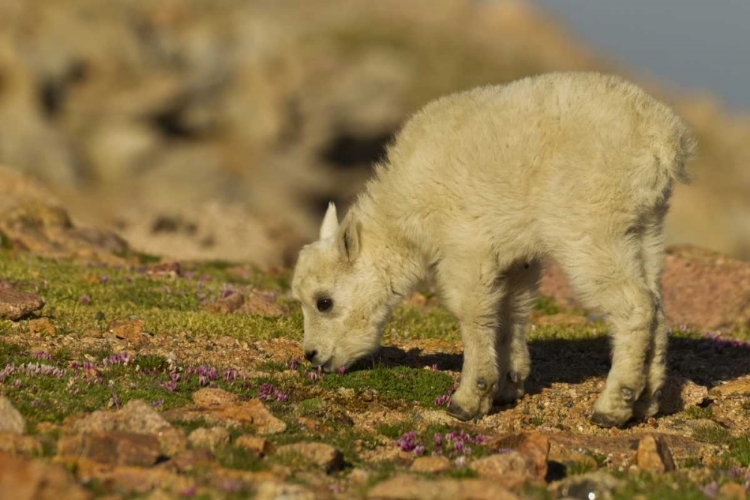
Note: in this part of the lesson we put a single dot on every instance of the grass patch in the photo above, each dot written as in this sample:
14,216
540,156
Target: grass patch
713,434
409,322
739,449
696,412
662,487
234,457
394,383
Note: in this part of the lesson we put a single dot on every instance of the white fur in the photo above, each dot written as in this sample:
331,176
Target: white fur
477,187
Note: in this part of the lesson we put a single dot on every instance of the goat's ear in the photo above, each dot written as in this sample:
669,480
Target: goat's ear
349,238
330,222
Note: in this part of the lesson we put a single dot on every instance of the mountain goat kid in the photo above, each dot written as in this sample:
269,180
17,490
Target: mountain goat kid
476,188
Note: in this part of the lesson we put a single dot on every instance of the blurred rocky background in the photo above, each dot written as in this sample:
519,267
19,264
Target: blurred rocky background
204,129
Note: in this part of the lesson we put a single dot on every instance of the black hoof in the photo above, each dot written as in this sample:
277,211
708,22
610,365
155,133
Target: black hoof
457,412
602,420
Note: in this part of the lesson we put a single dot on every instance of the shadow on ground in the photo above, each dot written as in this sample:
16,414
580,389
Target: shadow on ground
704,361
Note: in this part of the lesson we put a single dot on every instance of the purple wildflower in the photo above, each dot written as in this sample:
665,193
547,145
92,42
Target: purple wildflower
189,492
5,372
158,403
445,399
41,355
268,392
17,383
293,364
438,438
231,375
341,370
408,442
104,279
85,300
711,489
419,450
120,358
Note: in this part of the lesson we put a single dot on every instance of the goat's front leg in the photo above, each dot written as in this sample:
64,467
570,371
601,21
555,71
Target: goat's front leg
470,291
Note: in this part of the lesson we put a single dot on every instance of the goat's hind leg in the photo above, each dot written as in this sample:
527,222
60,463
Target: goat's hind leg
652,251
609,275
521,282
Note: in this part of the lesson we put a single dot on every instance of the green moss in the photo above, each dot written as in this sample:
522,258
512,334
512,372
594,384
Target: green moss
696,412
239,458
739,449
658,487
711,434
394,383
409,322
311,406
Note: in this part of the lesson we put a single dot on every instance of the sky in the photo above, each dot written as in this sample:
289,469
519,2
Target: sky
700,45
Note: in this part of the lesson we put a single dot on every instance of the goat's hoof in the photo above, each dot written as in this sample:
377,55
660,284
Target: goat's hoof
605,421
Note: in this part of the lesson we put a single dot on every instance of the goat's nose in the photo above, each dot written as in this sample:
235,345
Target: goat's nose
309,355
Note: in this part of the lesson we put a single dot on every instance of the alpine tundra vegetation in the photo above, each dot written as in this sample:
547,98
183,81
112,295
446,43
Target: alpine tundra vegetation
476,189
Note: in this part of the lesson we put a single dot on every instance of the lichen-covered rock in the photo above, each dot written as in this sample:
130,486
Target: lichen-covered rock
408,487
653,455
212,439
321,455
11,419
22,479
15,304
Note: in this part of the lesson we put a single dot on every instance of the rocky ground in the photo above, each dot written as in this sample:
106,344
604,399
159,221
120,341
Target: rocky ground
122,376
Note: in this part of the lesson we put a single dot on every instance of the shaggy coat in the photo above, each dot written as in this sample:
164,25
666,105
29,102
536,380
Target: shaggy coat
477,187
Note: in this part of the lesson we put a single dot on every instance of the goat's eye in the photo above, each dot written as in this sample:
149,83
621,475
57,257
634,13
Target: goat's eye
324,304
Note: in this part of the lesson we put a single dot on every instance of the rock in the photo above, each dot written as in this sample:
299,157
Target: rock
257,445
40,225
536,448
323,456
187,461
129,479
252,412
739,386
408,487
11,419
511,469
679,394
36,480
653,455
431,465
226,305
213,438
168,270
599,485
41,325
131,331
137,416
209,397
16,444
732,491
268,490
115,448
263,304
15,304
